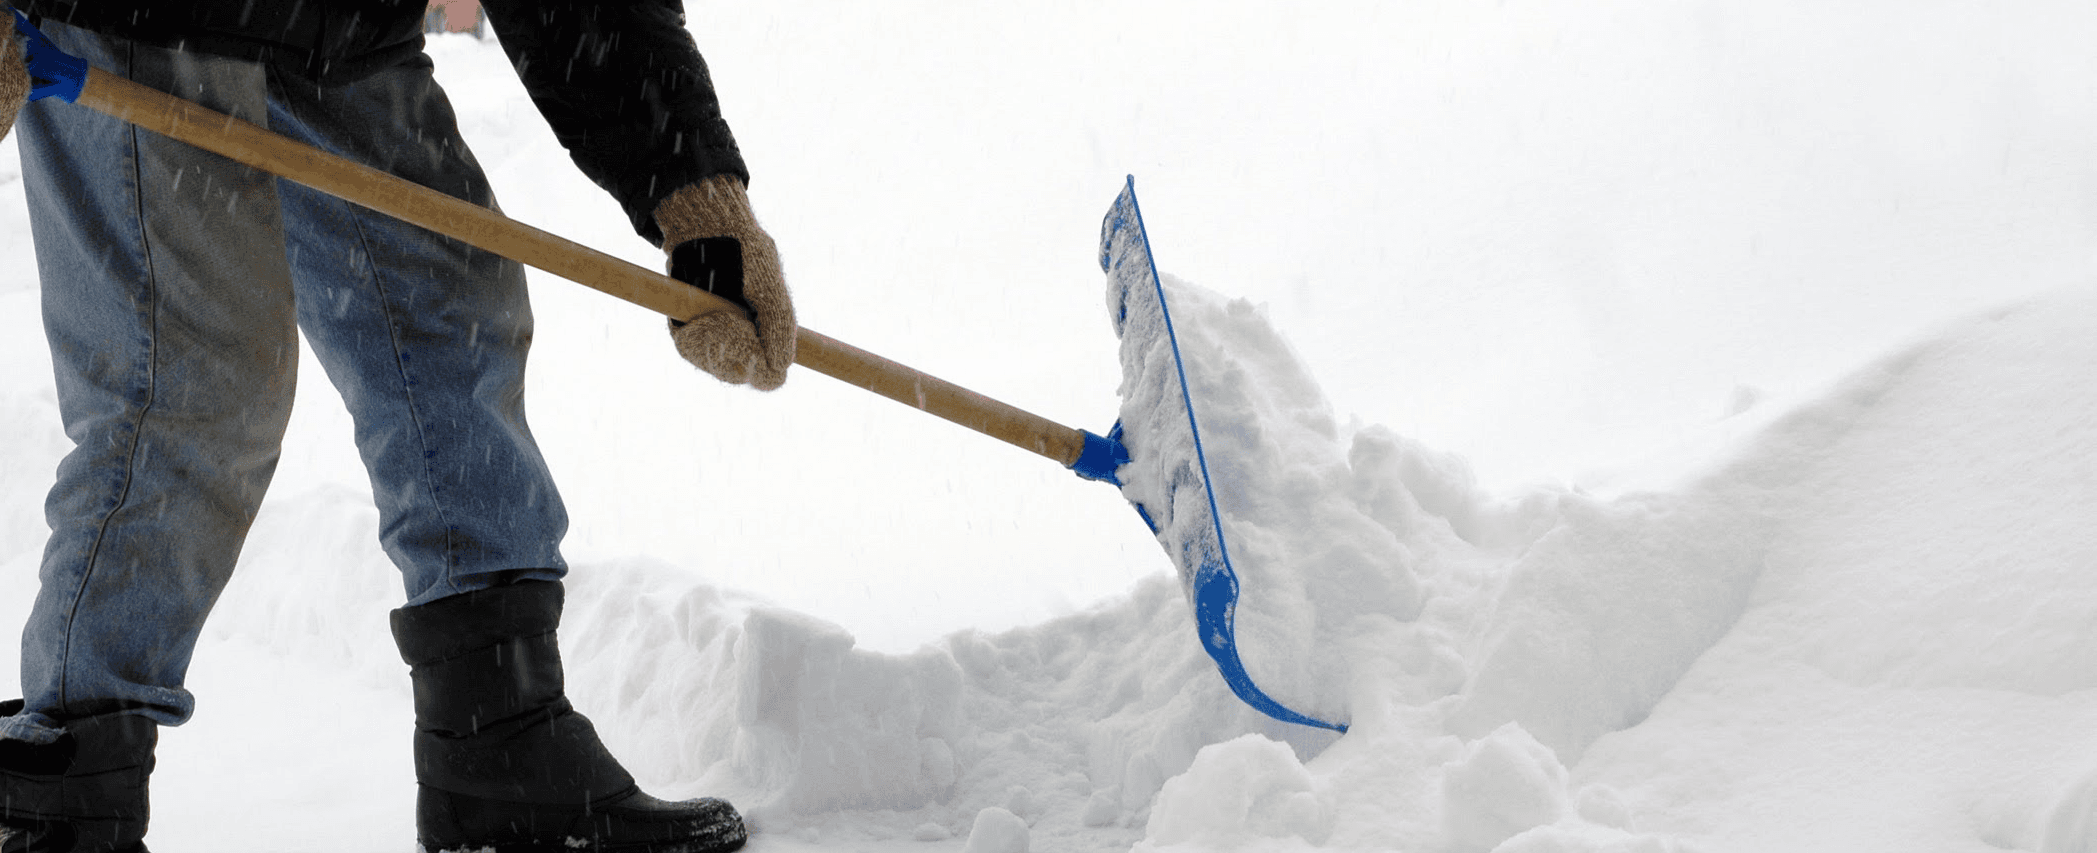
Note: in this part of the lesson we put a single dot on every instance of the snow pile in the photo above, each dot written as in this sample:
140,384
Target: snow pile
1663,670
1791,633
1072,726
1311,564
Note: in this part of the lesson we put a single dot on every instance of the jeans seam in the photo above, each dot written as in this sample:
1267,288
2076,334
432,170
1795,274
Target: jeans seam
138,422
408,395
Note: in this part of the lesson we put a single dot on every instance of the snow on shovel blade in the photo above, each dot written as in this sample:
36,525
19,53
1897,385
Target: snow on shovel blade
1181,510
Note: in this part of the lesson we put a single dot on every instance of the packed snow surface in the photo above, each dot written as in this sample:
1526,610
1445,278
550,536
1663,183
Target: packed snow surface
1652,427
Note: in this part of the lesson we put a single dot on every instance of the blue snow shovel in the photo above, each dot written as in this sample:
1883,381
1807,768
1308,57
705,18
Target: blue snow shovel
1202,559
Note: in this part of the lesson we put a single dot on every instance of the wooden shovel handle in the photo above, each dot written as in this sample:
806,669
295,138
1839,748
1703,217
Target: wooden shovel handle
255,146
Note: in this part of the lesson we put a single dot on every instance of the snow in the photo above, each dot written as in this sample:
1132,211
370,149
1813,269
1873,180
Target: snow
1654,427
998,831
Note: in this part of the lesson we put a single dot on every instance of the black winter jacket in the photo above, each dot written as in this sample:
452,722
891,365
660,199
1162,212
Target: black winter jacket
620,81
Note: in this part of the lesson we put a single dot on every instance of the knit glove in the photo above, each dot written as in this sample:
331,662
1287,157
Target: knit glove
715,244
14,72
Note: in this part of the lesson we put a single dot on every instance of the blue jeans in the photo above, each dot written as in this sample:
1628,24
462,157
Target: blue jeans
174,282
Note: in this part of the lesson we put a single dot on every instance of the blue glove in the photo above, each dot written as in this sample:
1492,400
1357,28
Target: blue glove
53,72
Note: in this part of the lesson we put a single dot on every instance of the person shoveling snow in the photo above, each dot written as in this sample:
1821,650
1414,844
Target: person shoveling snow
175,284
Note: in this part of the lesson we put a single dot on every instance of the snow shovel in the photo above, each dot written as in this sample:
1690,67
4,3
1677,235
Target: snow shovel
1188,529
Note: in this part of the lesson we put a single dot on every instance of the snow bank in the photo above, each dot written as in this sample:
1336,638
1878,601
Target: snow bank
1918,661
1072,726
1792,633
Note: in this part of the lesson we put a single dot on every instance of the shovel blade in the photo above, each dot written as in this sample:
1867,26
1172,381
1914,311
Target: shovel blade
1178,502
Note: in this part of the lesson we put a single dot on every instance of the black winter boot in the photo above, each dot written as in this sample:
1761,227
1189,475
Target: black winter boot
84,793
502,761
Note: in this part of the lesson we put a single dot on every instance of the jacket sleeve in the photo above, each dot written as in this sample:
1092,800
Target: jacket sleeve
625,89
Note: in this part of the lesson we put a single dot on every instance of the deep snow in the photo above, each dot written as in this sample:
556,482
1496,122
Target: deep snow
1653,426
